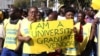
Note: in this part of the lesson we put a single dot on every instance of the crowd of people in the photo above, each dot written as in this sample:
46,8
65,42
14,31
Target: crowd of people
14,30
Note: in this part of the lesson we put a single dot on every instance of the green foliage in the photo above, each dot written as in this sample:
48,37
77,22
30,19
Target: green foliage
22,3
26,3
82,2
61,1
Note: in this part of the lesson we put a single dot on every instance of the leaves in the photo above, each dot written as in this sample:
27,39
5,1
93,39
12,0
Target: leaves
22,3
26,3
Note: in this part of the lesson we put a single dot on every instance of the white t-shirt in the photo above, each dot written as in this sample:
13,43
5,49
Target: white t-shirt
61,18
2,31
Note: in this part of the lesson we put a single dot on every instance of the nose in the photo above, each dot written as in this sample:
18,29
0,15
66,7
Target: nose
71,16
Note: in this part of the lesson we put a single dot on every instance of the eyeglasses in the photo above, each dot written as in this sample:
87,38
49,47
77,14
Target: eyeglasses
32,11
79,16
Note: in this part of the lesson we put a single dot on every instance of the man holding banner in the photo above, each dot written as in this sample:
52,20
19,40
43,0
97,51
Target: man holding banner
23,34
50,35
72,51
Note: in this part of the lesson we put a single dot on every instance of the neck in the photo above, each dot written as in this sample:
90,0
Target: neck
62,14
83,22
32,19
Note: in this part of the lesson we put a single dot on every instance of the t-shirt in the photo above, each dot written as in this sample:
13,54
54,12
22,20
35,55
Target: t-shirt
61,18
2,31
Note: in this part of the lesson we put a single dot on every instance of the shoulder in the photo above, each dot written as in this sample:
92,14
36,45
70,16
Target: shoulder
19,21
77,24
25,19
89,24
6,20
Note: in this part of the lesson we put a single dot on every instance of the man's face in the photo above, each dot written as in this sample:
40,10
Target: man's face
33,13
69,15
80,17
89,11
38,15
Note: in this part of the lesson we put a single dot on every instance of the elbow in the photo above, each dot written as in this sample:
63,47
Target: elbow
20,38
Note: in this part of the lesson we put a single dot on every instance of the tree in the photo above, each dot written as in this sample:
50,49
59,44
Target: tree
22,3
81,3
26,3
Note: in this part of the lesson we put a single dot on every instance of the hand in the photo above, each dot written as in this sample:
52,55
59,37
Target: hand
78,37
27,39
75,30
58,50
17,49
96,20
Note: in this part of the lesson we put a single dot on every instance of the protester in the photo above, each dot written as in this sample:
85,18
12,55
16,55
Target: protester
89,14
23,34
94,34
14,30
84,30
52,16
48,12
11,43
39,16
5,14
69,14
24,13
93,38
90,18
1,31
61,13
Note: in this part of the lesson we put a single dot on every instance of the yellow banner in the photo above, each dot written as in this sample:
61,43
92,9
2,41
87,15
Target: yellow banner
95,4
50,35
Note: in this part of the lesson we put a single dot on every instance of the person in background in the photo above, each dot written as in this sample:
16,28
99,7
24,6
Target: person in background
76,9
90,18
89,14
44,8
69,14
39,16
61,13
11,44
84,31
93,38
1,31
24,13
94,34
52,16
48,13
5,14
20,14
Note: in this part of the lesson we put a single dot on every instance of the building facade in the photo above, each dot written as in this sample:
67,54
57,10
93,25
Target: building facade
4,3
